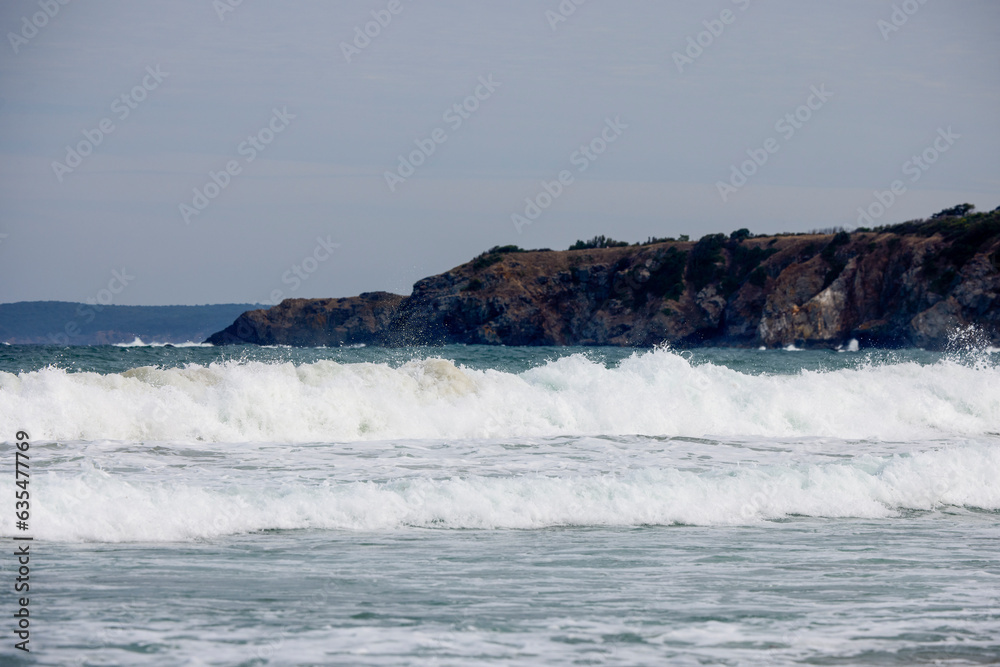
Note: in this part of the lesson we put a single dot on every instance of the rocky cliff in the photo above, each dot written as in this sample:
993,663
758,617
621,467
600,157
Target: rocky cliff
909,284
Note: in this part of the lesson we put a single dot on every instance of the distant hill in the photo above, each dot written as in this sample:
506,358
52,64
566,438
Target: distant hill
65,323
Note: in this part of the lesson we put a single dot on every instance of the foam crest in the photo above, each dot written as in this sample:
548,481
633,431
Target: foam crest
653,393
96,506
138,342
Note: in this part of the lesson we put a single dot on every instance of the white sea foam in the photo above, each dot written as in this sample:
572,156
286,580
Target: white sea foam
852,346
93,505
655,393
138,342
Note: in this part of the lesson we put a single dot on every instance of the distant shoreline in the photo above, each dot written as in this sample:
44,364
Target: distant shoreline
69,323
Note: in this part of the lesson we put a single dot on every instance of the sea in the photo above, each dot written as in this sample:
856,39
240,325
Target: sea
467,505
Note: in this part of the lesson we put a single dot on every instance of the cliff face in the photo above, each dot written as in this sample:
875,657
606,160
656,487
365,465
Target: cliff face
912,284
315,322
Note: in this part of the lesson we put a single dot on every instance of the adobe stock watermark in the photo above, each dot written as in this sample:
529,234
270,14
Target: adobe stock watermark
581,158
915,167
269,645
299,273
114,631
564,10
363,35
122,106
253,145
787,126
223,7
901,13
696,44
104,297
455,116
38,20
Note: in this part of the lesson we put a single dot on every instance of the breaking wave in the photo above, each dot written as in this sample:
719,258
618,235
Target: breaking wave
96,506
653,393
138,342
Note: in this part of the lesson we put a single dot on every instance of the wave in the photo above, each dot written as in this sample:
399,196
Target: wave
97,506
653,393
138,342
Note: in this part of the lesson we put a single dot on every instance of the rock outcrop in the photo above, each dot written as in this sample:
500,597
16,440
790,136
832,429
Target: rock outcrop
910,284
315,322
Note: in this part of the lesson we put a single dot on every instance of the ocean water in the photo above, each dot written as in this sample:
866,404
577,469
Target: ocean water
504,506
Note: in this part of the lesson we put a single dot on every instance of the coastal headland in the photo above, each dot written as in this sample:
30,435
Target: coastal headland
911,284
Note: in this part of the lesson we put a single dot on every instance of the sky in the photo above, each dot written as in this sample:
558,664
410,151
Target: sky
220,151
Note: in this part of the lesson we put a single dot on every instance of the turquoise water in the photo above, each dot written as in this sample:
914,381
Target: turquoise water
480,505
118,358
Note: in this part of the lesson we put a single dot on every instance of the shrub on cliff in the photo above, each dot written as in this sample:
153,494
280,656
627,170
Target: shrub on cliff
829,255
598,242
967,243
703,264
659,274
494,255
744,262
485,260
965,235
758,277
959,211
504,249
667,280
948,222
708,264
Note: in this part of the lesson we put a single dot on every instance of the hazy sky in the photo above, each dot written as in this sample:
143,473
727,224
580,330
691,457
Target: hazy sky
190,88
